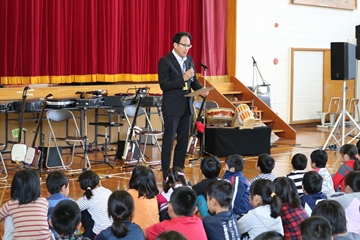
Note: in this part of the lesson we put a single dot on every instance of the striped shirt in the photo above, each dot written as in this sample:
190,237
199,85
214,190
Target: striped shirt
268,176
30,220
97,208
297,177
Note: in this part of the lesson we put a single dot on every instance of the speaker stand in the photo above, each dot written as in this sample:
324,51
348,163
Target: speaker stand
339,139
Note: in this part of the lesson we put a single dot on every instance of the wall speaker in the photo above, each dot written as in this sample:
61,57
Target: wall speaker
343,61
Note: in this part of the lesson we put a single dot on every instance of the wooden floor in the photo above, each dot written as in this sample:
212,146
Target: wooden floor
308,139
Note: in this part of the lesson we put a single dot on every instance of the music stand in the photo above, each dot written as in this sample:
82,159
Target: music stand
203,106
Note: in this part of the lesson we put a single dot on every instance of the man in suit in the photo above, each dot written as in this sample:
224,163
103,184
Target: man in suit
176,78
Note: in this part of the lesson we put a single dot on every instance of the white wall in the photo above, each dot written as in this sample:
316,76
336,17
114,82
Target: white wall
299,26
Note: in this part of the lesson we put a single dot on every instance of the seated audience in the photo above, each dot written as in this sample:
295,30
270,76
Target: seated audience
292,213
66,220
266,213
234,165
351,201
335,214
270,235
171,235
318,162
265,165
143,189
298,162
222,224
315,228
121,209
312,184
182,207
350,162
210,167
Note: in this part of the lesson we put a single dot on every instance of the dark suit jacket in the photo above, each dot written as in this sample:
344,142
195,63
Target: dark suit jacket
171,83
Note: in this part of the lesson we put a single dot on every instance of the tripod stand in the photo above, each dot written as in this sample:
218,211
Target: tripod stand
340,123
202,151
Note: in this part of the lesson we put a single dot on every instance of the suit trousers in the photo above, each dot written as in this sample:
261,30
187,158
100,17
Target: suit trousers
181,127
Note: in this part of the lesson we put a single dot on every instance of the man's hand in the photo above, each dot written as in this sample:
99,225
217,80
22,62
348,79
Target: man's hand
188,74
204,94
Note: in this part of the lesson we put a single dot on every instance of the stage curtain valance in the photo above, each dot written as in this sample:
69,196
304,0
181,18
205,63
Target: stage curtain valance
63,41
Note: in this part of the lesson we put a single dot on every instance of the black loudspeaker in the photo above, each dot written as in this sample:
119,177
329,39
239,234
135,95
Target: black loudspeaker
54,159
343,61
120,150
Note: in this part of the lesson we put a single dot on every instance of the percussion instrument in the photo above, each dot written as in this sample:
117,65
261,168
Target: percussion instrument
89,102
34,104
245,115
60,103
94,93
6,106
220,116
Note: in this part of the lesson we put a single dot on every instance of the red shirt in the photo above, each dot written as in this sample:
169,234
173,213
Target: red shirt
291,219
191,227
339,177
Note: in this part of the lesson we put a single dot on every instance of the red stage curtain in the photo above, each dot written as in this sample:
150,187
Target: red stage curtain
62,41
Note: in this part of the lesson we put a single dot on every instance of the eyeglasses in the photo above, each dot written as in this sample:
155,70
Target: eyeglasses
186,46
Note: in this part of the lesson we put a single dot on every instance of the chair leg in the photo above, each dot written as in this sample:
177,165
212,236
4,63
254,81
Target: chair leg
3,164
322,117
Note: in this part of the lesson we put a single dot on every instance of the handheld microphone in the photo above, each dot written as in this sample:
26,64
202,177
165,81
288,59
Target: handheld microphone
192,66
204,66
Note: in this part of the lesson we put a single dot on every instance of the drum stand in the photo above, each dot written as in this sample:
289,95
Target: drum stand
202,151
340,122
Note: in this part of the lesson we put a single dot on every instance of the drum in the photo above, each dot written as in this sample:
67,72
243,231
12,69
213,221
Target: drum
245,115
220,116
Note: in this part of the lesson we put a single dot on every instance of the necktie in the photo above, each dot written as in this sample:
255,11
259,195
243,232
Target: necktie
183,71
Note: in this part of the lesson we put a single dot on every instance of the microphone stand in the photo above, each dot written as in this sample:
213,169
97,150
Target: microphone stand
202,140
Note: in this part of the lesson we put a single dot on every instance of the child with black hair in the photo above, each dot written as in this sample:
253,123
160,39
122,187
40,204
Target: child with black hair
266,213
175,177
222,224
143,189
26,211
171,235
312,184
93,204
121,210
292,213
265,164
270,235
298,162
182,207
66,219
335,214
350,162
234,165
318,162
210,167
351,201
57,184
315,227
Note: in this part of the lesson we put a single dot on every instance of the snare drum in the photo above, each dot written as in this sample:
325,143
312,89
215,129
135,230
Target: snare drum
220,116
245,115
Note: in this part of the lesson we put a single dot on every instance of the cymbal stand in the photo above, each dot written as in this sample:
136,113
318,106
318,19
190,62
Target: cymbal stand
202,152
255,88
339,139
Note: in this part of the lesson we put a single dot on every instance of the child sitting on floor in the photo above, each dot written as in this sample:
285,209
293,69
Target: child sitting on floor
318,163
315,227
265,165
93,204
298,162
222,224
175,177
312,184
121,210
182,207
234,164
266,213
210,167
143,189
350,162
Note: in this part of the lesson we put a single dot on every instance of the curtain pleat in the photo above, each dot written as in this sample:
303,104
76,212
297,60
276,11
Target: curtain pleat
64,41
